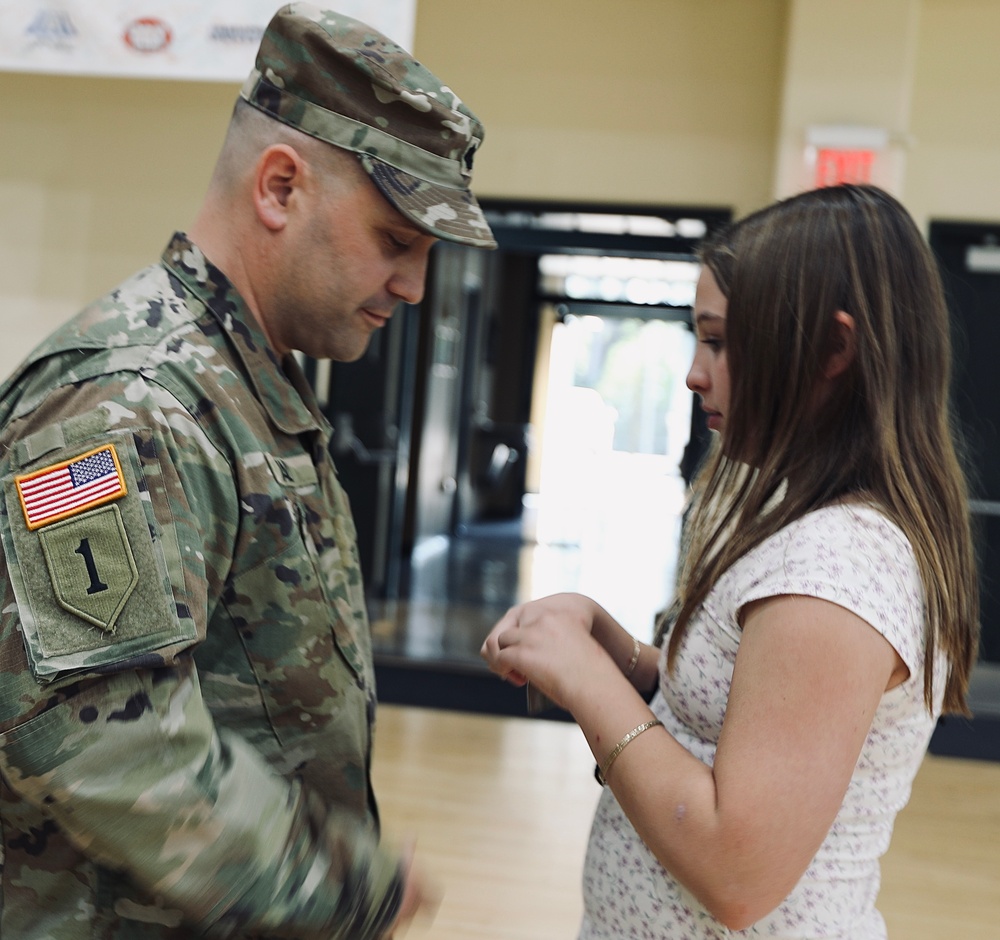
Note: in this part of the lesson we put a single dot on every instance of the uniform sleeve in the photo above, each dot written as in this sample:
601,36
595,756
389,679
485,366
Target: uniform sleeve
103,726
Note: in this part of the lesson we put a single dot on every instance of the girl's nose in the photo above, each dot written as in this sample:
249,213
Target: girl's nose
696,377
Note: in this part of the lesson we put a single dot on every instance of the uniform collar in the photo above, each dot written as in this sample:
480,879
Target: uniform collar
280,386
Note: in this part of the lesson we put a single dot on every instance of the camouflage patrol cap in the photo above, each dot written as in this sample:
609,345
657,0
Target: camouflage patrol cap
343,82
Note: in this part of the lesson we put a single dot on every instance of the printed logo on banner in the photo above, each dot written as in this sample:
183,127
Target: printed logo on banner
54,29
235,34
148,34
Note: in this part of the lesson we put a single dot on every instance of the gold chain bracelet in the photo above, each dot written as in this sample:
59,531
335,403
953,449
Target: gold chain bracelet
602,771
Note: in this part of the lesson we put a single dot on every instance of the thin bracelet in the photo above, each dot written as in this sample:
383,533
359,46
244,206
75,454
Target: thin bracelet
636,650
602,771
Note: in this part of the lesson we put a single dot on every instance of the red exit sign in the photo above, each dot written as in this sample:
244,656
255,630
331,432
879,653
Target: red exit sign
843,166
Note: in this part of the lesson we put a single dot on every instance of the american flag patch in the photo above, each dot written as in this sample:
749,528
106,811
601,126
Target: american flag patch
71,487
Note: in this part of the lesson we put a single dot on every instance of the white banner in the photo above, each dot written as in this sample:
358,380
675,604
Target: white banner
206,40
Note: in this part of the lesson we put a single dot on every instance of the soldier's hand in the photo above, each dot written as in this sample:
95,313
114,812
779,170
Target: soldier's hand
420,897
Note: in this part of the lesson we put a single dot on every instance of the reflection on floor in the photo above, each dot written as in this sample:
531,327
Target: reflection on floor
620,549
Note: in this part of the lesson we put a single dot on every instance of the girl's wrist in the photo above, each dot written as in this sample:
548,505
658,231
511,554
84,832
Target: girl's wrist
629,667
645,676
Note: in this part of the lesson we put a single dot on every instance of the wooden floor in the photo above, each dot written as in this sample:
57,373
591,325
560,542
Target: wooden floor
500,809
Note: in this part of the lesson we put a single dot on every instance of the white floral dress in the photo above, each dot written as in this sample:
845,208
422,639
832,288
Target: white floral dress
854,557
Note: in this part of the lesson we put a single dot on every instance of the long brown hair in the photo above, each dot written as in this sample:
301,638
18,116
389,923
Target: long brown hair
885,435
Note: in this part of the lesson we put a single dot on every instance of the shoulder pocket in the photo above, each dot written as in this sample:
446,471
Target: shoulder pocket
85,561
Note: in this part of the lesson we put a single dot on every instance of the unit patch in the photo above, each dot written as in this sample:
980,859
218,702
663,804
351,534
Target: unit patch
91,565
69,488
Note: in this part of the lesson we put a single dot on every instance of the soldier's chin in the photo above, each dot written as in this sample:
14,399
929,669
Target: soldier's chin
337,352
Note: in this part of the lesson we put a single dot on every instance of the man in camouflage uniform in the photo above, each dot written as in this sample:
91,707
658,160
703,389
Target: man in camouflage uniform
187,685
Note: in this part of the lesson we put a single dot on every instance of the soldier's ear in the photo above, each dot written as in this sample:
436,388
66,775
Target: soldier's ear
277,174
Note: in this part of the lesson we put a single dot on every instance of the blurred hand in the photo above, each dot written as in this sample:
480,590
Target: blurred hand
420,897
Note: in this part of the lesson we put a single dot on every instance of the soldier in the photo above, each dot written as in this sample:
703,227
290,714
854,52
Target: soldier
187,680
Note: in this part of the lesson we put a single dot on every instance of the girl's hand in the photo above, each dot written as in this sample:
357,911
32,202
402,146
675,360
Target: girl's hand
548,643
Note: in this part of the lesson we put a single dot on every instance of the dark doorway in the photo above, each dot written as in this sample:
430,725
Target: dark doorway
969,257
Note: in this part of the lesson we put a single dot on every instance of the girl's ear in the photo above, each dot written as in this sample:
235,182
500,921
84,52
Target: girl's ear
843,345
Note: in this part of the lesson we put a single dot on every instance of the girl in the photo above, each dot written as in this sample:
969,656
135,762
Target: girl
827,606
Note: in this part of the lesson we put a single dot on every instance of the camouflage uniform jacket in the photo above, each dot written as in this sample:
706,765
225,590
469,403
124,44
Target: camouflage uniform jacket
187,692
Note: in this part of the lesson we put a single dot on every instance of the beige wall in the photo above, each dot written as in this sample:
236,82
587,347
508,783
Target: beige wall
658,101
95,174
953,169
